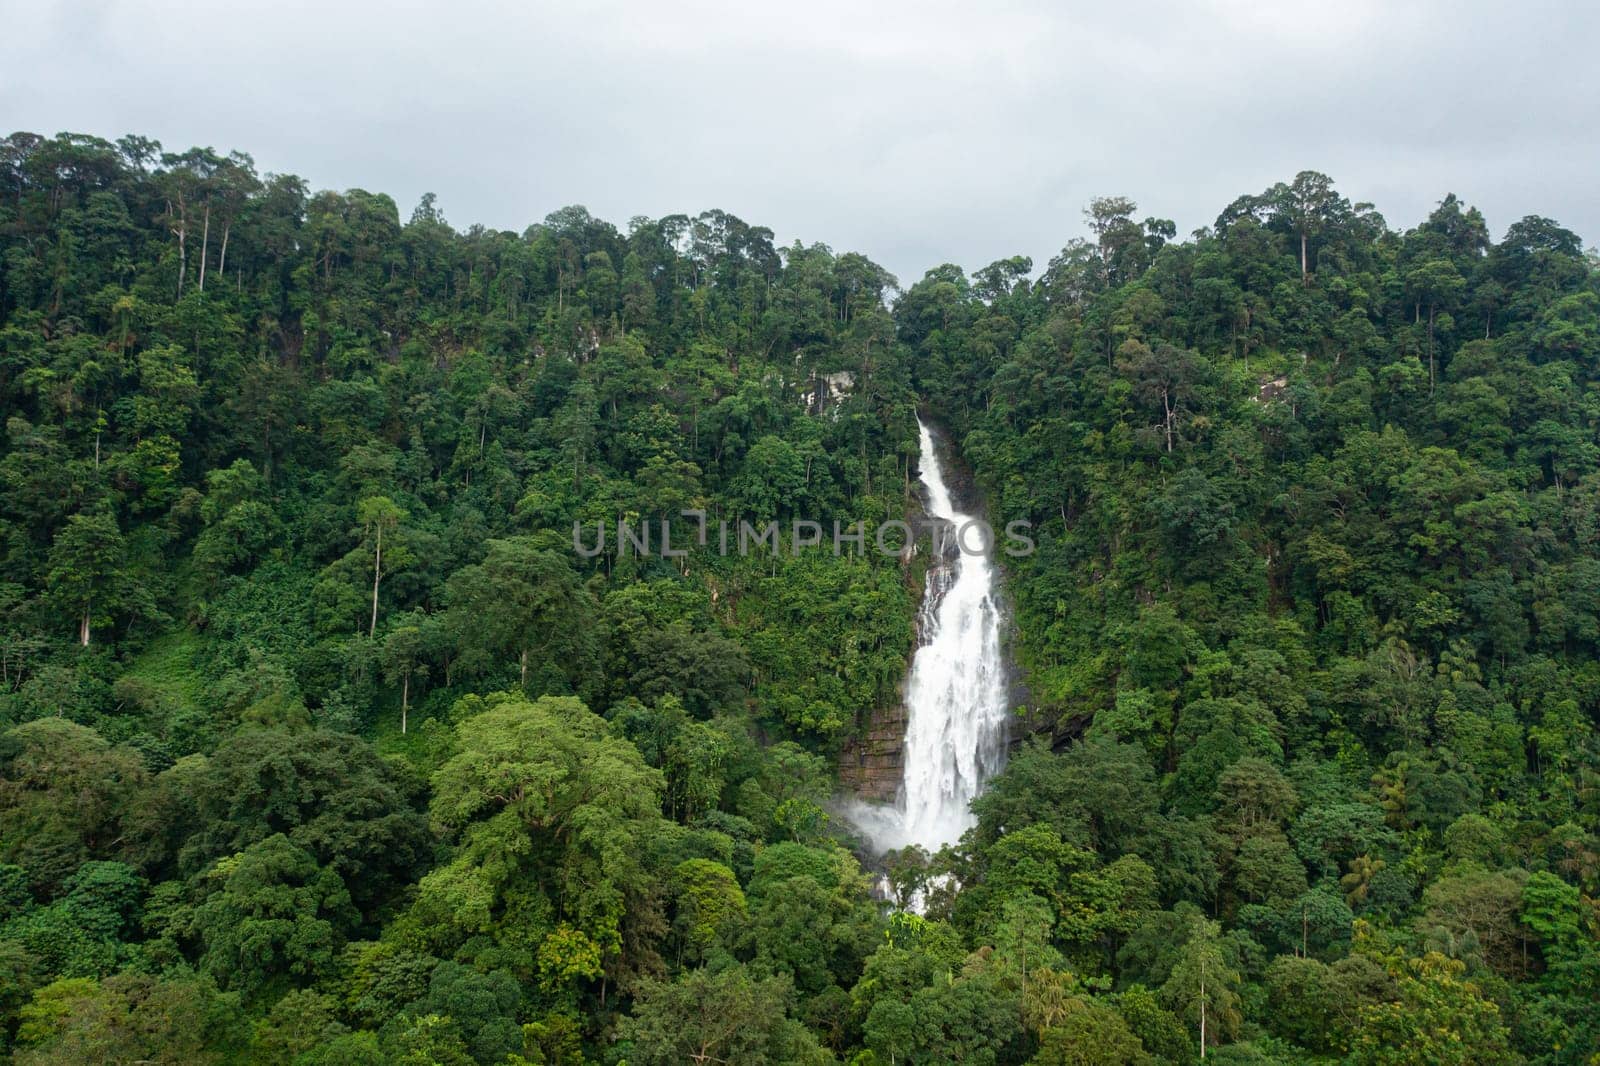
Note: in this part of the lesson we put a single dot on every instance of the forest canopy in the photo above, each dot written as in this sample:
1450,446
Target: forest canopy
319,743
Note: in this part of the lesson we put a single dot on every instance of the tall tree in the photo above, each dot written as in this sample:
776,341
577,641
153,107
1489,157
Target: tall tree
379,515
88,572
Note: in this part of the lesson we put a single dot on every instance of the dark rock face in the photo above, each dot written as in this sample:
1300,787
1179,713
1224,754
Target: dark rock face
870,765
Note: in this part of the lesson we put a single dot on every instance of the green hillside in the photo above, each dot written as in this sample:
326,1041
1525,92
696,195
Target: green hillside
321,744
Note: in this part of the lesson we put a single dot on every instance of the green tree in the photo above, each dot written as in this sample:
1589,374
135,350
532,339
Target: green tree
1439,1017
727,1016
378,515
89,572
404,651
526,603
542,796
130,1018
271,911
297,1024
1203,988
239,521
330,794
66,796
1090,1035
710,903
481,1008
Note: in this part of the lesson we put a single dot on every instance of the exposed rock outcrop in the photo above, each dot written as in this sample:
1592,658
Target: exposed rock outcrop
870,765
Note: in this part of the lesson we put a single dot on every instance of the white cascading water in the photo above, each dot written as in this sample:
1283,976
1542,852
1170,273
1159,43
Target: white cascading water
956,691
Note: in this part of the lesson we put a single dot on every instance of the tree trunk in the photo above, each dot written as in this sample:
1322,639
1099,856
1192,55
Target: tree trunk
1166,407
405,697
377,573
1305,269
1431,310
205,241
222,260
1202,1017
1024,997
183,255
83,624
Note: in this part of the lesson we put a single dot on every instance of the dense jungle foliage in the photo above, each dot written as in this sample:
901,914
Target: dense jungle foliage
322,745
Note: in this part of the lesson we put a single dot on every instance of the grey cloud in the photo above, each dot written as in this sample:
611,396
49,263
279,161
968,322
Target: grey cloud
916,133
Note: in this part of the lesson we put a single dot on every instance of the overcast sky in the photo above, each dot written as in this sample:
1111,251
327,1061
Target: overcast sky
917,133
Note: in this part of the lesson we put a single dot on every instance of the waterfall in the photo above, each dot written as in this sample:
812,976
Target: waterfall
956,690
